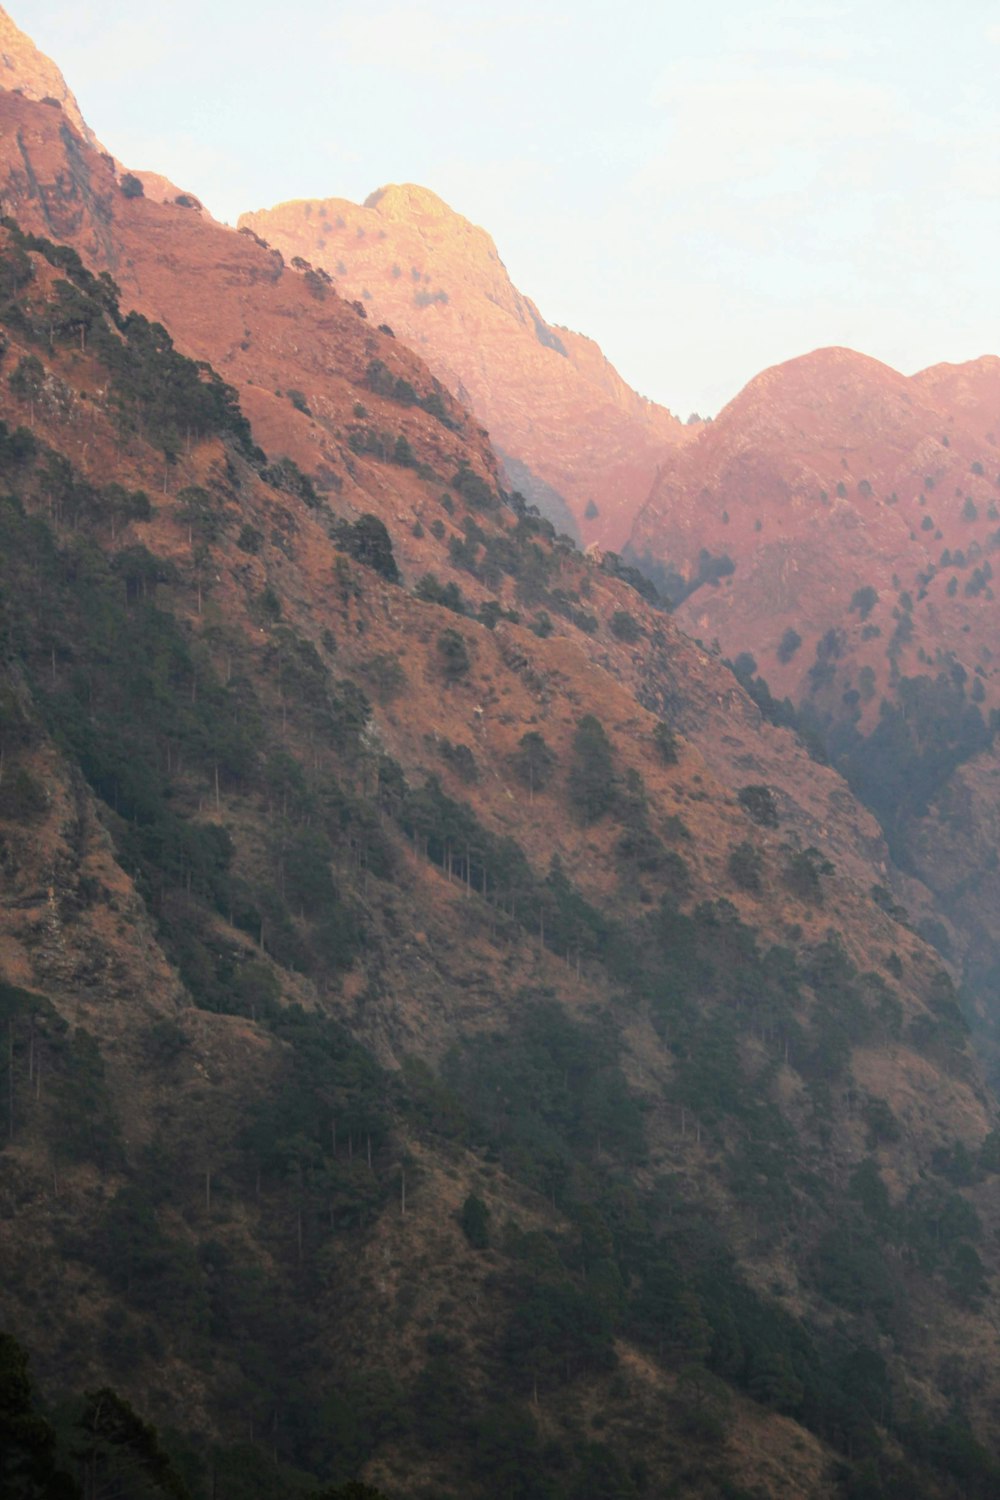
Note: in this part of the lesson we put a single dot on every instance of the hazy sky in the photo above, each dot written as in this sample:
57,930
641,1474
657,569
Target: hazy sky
706,188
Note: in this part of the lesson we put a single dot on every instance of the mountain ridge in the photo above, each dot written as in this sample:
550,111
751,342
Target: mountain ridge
550,398
428,974
31,73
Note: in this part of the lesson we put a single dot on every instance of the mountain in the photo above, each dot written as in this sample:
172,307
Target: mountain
971,390
575,439
834,444
30,73
834,531
453,1037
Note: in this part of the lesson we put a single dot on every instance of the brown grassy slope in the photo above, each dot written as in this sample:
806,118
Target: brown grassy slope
832,474
437,964
227,300
818,479
411,996
559,672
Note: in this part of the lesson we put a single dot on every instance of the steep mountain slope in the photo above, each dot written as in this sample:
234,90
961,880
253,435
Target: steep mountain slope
36,76
576,440
844,518
826,474
609,1128
273,330
451,1037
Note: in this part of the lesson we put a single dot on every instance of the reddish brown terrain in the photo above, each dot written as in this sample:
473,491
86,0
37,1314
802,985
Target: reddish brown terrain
27,71
272,873
575,438
274,331
828,474
859,509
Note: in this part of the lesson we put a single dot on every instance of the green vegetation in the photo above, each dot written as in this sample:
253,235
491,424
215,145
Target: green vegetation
615,567
103,1448
286,475
672,586
157,391
534,762
270,1203
746,867
802,874
368,542
591,775
918,742
666,743
788,645
758,801
476,1222
779,711
864,600
625,626
396,387
453,654
448,595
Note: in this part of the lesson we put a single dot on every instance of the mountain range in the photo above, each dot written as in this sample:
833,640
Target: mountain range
465,1032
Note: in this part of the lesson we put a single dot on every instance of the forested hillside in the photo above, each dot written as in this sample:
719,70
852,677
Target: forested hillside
449,1044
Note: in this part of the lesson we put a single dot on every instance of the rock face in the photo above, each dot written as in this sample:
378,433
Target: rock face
576,439
29,72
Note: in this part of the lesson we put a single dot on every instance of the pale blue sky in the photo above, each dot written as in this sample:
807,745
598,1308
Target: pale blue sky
706,188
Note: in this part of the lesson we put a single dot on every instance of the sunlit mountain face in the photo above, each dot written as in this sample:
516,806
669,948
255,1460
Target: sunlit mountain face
575,439
834,530
466,1032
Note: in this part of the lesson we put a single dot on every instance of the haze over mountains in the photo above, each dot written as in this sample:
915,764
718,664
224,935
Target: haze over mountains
460,1034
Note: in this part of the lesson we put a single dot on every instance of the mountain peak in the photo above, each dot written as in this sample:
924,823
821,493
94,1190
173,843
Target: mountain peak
824,392
547,396
830,366
406,200
316,903
417,210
